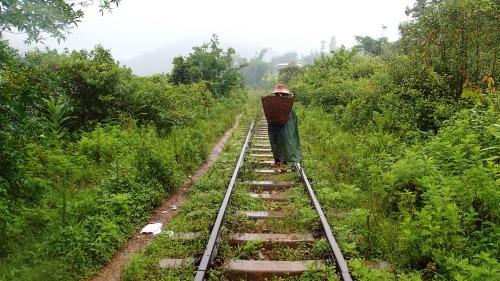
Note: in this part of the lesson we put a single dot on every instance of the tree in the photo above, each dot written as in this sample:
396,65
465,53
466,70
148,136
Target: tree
7,55
256,70
370,45
94,81
288,73
91,82
323,43
333,44
180,72
458,39
309,59
55,17
210,64
288,57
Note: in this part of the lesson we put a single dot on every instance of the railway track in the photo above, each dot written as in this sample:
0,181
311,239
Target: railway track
277,232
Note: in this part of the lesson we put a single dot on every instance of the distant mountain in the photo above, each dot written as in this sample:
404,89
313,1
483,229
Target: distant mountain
160,60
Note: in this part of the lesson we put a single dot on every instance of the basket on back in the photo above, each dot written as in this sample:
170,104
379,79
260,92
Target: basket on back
277,109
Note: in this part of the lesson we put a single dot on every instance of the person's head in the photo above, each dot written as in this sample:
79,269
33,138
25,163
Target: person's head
281,90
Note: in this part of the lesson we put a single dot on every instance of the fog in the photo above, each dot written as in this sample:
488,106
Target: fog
139,27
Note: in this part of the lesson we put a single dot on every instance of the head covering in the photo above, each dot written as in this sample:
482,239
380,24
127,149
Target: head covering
280,89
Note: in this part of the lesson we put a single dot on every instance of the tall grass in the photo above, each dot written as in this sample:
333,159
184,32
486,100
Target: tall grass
94,193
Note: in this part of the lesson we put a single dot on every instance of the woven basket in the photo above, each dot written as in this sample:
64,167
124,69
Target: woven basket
277,109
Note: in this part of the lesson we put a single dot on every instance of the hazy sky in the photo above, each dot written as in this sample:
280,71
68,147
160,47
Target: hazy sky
139,26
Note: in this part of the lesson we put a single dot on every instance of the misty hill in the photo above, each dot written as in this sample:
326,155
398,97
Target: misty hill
160,60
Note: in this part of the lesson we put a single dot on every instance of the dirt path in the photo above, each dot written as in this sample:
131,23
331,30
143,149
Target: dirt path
163,214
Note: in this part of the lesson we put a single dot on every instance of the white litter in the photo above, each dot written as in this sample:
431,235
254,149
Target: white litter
152,228
173,207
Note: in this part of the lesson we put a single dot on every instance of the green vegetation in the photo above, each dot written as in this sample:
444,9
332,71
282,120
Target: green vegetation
208,64
195,215
404,147
401,139
53,17
89,149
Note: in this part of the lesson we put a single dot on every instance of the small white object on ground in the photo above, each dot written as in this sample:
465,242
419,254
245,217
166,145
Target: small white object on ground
152,228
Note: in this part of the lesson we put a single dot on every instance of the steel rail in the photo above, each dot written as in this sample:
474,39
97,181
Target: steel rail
337,254
208,256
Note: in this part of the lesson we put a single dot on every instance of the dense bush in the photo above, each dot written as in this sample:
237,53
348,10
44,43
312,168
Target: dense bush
431,207
87,151
403,147
406,167
399,95
211,65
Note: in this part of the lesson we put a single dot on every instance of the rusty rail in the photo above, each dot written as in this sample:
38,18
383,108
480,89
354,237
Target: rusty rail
208,259
214,240
337,254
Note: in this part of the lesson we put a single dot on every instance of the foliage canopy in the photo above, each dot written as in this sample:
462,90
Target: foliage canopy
55,17
210,64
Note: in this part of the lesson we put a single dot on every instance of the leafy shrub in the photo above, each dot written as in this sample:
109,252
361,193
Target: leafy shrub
425,175
363,272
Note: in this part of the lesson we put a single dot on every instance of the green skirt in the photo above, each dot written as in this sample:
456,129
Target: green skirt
285,141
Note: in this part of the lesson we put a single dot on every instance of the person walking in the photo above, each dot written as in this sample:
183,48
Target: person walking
284,139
